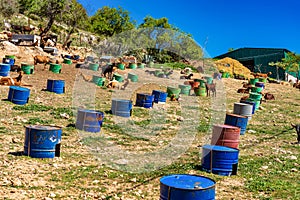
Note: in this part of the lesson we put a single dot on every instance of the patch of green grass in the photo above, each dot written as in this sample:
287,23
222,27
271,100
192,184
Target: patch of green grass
36,120
33,107
276,182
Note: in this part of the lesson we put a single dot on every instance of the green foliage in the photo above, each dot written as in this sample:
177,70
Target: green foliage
110,21
291,62
9,7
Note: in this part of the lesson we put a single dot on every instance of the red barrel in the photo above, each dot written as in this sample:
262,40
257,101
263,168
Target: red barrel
226,135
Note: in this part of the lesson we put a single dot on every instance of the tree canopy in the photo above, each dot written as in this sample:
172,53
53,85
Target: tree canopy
110,21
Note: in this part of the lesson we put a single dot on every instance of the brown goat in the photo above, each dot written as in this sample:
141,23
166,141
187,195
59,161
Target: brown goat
261,75
42,60
211,88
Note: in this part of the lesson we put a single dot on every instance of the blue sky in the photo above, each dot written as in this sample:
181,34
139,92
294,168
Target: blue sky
224,23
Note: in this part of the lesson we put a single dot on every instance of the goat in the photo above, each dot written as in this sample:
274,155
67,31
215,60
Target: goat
244,98
173,98
108,71
260,75
113,84
17,81
127,81
187,76
211,88
193,84
243,90
27,29
42,60
269,96
15,68
297,127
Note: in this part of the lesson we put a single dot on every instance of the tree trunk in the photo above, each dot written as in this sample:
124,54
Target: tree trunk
48,27
68,36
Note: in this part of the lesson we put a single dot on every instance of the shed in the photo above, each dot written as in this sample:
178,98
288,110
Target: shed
258,59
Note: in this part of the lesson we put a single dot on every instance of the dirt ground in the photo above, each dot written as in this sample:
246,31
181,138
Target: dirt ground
22,177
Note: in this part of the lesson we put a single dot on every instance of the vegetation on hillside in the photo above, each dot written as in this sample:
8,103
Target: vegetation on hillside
163,41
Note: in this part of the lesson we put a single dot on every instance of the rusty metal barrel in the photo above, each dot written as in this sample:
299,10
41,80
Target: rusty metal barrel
226,135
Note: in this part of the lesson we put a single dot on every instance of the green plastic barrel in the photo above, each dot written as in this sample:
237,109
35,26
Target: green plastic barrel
133,77
185,89
253,81
201,81
26,68
141,65
255,96
118,77
208,79
200,91
121,66
10,56
132,66
257,102
68,61
173,90
256,89
98,80
264,80
93,66
225,75
55,68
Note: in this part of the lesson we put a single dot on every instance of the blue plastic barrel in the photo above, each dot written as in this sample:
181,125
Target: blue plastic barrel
219,160
144,100
159,96
247,101
18,95
237,120
56,86
4,69
89,120
42,141
121,107
9,61
186,187
68,56
260,84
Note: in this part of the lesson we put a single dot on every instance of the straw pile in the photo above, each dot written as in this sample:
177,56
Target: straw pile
232,67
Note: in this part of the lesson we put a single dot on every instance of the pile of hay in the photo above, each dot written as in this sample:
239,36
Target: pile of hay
232,67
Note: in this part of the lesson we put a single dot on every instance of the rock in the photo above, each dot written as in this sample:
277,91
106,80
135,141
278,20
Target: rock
264,167
52,195
292,157
180,118
133,180
15,140
95,181
251,131
294,170
16,182
47,198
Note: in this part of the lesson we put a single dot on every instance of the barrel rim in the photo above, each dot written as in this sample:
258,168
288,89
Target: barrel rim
189,189
220,148
225,126
19,88
90,110
40,127
236,115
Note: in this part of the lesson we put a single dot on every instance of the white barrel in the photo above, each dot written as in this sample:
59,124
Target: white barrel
243,109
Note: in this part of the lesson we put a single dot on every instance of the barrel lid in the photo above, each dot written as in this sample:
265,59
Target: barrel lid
219,148
242,104
89,111
187,182
43,127
226,126
121,100
19,88
235,115
5,64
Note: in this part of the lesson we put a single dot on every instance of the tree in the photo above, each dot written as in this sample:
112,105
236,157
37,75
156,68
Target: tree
74,16
110,21
163,36
50,9
9,7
